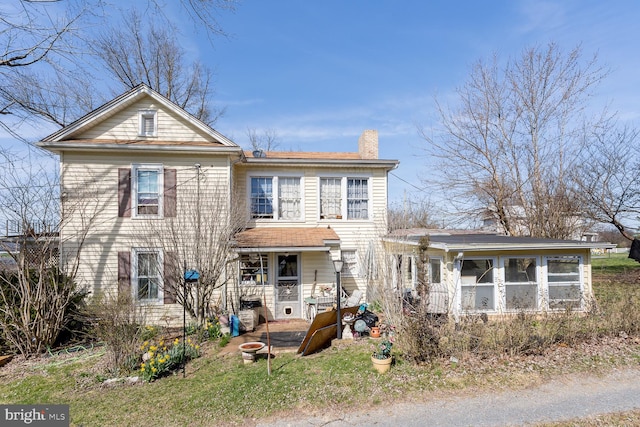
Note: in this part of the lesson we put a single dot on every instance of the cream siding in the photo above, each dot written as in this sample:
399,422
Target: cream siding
124,125
89,188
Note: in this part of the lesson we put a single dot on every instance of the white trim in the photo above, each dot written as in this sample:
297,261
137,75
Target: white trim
495,284
344,202
158,167
545,278
143,116
134,275
275,195
538,282
124,101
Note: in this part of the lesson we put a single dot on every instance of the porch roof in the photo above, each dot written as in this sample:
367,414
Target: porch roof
455,240
273,239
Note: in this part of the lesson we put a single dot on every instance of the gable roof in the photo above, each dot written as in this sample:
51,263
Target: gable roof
60,138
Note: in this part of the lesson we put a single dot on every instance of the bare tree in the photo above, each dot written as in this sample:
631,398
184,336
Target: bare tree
133,54
511,144
608,179
267,141
200,237
46,58
36,37
411,214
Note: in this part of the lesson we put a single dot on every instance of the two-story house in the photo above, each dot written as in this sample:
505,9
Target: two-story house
149,191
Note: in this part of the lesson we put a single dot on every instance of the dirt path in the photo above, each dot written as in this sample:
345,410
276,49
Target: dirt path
565,398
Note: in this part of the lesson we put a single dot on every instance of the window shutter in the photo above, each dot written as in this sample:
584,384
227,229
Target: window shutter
170,193
124,273
170,277
124,192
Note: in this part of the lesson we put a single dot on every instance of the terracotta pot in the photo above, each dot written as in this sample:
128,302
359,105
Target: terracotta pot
381,365
375,332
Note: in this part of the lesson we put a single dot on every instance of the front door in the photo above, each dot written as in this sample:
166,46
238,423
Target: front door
287,302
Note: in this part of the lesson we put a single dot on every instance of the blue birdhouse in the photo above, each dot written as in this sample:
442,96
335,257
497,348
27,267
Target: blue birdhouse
191,276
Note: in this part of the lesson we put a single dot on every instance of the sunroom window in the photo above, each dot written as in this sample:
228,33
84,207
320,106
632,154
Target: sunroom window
521,283
478,284
563,277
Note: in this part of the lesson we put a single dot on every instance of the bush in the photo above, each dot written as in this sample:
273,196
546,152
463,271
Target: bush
117,322
36,305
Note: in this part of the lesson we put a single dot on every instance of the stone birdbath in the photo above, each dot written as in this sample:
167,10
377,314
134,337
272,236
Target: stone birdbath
249,350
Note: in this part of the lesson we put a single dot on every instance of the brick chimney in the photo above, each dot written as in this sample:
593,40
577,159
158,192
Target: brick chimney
368,144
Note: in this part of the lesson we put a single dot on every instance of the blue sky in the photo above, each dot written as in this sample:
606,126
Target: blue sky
318,73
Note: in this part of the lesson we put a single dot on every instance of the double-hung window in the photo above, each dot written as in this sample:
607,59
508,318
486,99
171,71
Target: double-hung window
262,197
344,197
563,278
289,200
147,275
521,283
148,181
276,197
357,198
478,284
331,198
147,123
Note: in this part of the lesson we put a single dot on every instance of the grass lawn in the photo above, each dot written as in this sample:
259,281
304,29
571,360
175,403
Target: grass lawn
221,390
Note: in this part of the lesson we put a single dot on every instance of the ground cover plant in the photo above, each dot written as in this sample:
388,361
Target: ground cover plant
222,390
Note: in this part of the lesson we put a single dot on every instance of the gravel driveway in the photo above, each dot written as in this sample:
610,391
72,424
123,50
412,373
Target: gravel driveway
577,396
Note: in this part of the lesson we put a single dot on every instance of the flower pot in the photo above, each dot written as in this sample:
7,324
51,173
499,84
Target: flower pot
381,365
375,332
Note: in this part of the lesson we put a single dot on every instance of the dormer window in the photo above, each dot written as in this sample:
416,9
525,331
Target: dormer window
148,122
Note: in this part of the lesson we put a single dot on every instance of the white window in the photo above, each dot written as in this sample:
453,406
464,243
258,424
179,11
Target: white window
148,123
148,181
331,198
358,198
344,198
351,265
254,271
565,283
147,275
521,283
289,198
478,284
435,270
261,197
276,197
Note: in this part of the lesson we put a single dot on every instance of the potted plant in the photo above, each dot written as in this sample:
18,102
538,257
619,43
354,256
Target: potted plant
381,357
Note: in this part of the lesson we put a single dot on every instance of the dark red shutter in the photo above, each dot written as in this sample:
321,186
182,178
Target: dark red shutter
170,192
124,273
170,277
124,192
